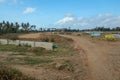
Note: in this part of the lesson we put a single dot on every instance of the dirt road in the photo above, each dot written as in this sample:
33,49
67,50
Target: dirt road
101,60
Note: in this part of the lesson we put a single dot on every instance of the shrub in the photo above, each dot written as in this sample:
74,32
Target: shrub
52,40
45,39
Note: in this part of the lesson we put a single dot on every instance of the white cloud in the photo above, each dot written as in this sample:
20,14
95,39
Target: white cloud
29,10
2,1
106,20
65,20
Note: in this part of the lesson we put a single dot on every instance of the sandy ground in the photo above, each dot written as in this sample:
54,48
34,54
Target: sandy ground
102,58
34,35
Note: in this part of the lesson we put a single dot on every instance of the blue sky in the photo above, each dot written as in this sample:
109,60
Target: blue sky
79,14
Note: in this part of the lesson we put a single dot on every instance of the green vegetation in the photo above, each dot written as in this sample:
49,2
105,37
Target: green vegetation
38,51
52,40
47,39
35,57
26,55
27,60
25,48
13,48
34,61
10,27
65,47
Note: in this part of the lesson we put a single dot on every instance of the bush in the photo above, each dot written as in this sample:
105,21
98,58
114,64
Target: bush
52,40
45,39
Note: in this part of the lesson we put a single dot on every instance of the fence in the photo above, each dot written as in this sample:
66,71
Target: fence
45,45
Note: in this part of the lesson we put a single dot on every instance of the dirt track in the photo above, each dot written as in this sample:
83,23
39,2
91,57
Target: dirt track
102,60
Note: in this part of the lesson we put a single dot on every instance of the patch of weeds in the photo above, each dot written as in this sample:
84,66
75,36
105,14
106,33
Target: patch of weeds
7,73
27,60
13,48
33,61
45,39
67,65
21,49
38,51
65,48
15,60
26,45
20,53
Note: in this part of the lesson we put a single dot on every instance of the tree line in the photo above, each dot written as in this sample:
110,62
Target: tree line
103,29
10,27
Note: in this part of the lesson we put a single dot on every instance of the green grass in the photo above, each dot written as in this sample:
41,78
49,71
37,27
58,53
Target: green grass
33,61
33,56
24,55
19,53
64,48
27,60
13,48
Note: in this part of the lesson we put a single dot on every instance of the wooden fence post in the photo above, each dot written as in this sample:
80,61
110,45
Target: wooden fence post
7,41
34,43
19,43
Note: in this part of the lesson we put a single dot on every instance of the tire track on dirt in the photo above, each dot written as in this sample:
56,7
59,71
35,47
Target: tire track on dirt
95,57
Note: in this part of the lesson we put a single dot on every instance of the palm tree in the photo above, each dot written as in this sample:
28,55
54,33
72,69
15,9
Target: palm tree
0,28
8,27
16,27
25,26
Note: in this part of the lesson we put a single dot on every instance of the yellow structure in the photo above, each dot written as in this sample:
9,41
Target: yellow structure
110,37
